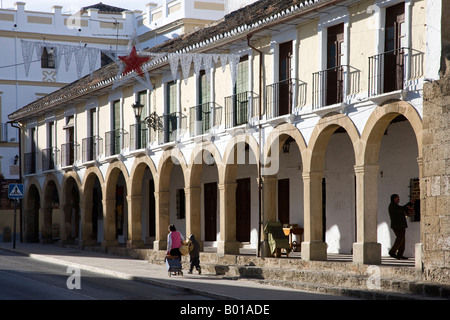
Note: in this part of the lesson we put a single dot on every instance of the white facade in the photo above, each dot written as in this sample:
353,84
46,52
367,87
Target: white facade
78,32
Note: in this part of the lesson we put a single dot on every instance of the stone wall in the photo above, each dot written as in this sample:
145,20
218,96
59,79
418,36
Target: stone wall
435,184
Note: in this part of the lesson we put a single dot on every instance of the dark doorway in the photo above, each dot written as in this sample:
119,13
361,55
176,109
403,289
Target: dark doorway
334,73
151,214
283,201
210,202
324,208
393,62
32,215
243,205
285,94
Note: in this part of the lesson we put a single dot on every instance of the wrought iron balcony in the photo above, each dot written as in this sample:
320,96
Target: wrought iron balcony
203,117
389,70
67,154
30,162
135,142
240,108
174,125
49,159
282,97
90,148
115,141
328,87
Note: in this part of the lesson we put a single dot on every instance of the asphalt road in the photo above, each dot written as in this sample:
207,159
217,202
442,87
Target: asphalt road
24,278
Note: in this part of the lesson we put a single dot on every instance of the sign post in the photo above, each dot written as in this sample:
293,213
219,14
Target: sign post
15,191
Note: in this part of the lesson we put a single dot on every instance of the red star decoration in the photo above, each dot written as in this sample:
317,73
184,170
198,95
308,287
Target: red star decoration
133,62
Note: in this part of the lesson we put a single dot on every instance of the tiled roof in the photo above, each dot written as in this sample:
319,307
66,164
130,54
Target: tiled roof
236,24
104,8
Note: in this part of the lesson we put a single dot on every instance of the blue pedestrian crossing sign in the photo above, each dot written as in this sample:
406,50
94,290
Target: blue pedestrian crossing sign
15,191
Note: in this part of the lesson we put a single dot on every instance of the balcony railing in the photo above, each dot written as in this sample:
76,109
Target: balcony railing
203,117
30,162
135,143
328,87
115,141
49,159
90,148
240,108
67,154
389,70
174,125
282,97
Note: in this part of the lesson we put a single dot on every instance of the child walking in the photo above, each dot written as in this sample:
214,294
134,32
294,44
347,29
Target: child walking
194,255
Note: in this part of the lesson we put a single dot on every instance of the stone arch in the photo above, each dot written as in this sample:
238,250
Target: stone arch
318,142
50,228
233,232
377,124
194,191
372,158
227,170
167,161
68,176
48,179
162,193
91,205
139,165
280,134
135,195
70,205
197,160
32,206
112,174
111,206
314,247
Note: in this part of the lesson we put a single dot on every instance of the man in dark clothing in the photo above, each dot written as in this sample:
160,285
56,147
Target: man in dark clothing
397,214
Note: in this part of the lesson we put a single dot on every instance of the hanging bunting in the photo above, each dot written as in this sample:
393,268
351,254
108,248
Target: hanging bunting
234,61
185,60
197,58
67,52
223,61
207,63
80,59
64,53
27,54
173,60
92,54
61,53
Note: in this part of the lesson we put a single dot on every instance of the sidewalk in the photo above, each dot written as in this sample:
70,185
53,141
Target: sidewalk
209,285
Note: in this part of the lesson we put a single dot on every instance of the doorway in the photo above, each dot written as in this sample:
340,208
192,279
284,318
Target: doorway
283,201
243,202
210,205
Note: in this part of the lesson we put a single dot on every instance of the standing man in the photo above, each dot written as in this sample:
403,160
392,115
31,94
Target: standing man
397,214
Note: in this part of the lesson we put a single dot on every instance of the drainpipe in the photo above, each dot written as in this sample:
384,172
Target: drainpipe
260,185
13,124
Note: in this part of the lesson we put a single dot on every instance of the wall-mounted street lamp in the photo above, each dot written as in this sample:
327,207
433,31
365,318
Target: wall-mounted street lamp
137,108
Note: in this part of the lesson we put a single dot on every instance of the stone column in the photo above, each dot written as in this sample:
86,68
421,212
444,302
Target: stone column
270,209
162,219
87,236
66,223
193,212
109,224
135,222
313,248
46,236
227,243
366,250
